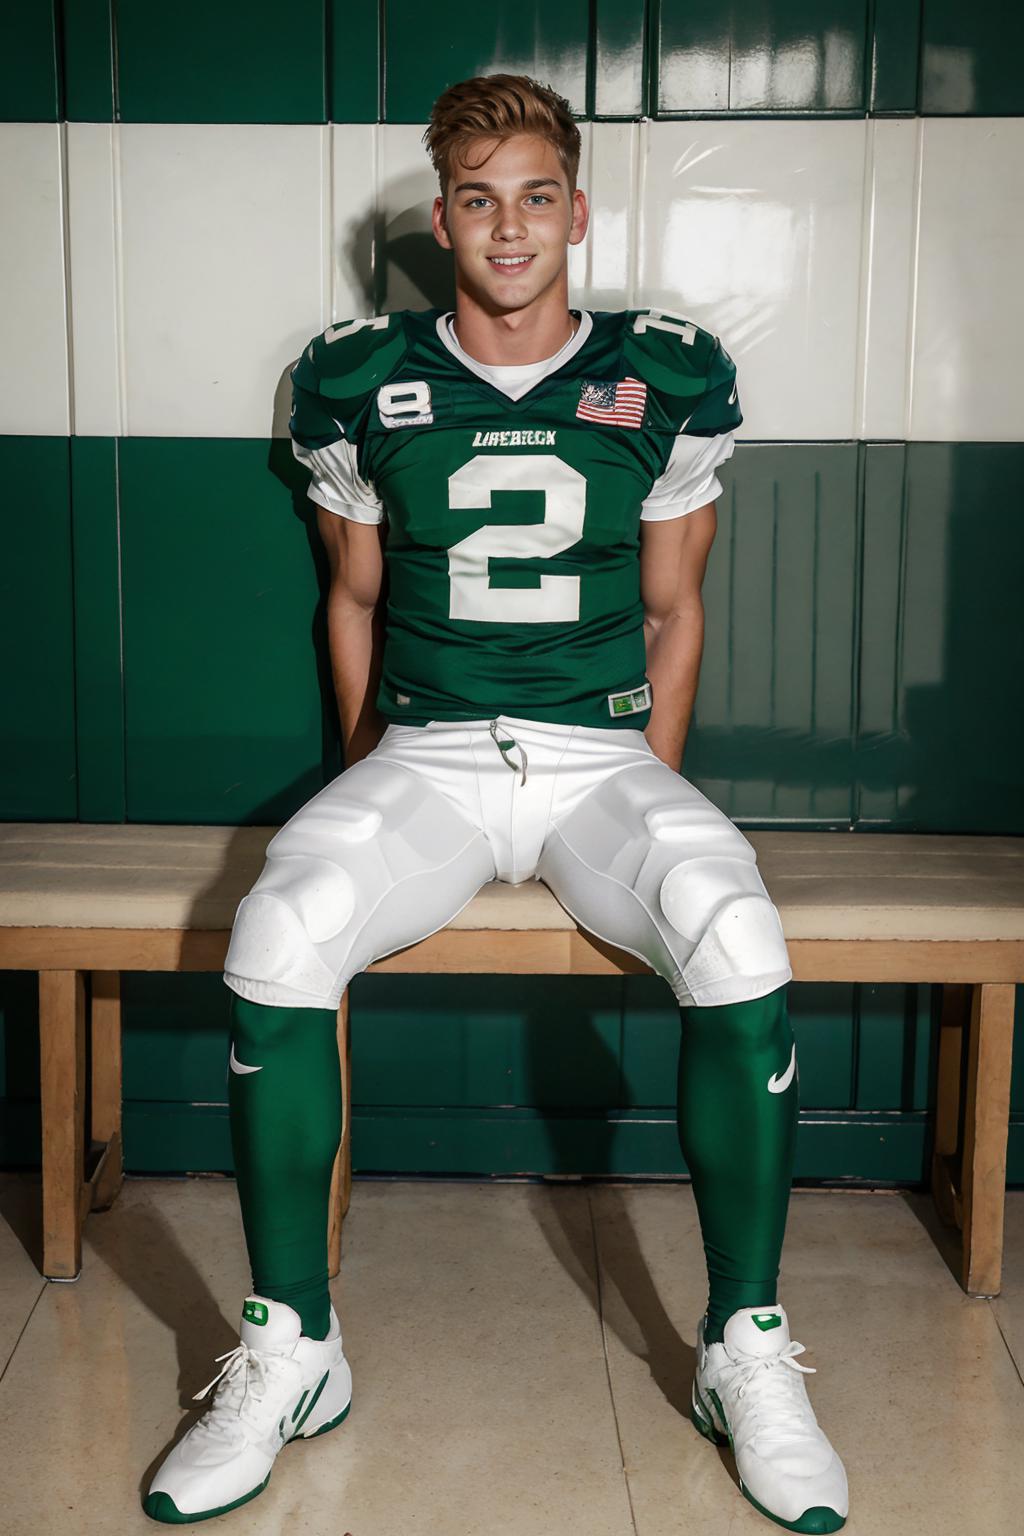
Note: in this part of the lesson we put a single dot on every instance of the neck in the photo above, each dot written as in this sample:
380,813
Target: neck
516,336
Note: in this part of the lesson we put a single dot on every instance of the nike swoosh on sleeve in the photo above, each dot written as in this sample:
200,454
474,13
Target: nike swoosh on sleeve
239,1066
777,1084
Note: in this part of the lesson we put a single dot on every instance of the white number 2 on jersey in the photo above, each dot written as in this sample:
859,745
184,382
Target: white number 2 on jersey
665,320
557,599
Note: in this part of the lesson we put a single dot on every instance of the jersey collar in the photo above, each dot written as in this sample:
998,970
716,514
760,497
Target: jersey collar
585,327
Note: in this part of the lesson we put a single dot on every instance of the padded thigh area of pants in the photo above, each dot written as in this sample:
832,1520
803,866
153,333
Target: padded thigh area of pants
648,862
375,861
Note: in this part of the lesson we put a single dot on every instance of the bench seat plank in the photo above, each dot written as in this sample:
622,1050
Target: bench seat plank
826,885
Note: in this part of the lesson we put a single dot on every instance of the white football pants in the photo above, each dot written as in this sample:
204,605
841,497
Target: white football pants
401,841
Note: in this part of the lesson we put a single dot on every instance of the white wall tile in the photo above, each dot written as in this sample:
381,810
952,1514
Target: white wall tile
353,233
417,274
95,316
33,322
970,292
753,230
610,177
223,247
889,236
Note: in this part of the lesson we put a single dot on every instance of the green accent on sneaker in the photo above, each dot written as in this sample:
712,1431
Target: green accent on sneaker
313,1400
298,1407
766,1320
815,1520
256,1312
160,1506
331,1423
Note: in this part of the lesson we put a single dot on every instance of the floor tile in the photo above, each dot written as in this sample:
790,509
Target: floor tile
470,1318
20,1239
1008,1306
915,1388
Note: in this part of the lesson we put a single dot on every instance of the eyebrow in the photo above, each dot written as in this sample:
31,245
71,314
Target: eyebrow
488,186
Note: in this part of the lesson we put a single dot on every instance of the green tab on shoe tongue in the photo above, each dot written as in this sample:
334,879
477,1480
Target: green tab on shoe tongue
269,1325
766,1320
757,1331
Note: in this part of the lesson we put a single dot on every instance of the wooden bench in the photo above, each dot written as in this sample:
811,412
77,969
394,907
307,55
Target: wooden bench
89,901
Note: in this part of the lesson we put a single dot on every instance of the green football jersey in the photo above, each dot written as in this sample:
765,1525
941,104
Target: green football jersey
513,525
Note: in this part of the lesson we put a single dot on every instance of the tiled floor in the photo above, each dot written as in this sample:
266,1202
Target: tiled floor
522,1357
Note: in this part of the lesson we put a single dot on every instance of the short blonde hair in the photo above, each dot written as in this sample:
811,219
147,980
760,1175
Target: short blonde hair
498,107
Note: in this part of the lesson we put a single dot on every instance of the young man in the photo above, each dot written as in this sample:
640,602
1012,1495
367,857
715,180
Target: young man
546,481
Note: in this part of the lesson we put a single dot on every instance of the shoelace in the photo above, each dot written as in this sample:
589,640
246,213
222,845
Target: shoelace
243,1380
502,748
777,1394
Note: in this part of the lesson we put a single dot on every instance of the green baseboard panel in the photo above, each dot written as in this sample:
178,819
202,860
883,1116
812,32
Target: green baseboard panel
160,1139
878,1147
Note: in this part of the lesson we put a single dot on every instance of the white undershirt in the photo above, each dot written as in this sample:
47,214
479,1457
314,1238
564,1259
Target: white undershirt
513,379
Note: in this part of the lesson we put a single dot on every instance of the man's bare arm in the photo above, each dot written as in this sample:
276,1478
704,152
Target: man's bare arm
673,559
355,626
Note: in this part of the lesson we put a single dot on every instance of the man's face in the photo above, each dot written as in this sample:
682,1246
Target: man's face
509,221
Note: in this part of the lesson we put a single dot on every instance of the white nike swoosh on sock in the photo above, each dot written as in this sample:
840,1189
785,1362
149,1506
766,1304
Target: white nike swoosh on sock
238,1066
778,1084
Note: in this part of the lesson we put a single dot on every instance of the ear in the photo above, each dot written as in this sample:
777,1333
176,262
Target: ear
437,223
580,217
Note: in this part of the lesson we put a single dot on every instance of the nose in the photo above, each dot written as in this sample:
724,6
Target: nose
509,224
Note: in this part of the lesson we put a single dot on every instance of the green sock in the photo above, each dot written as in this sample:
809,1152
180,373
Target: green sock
739,1141
285,1130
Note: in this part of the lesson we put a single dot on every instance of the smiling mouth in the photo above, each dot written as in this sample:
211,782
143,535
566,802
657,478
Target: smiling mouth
510,263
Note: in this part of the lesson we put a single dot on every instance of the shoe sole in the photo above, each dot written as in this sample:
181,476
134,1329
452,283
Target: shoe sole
818,1519
160,1506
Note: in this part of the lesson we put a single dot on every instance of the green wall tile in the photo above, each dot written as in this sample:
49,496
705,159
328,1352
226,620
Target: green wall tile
941,648
238,61
770,737
619,82
896,1028
970,58
37,680
543,1041
354,58
88,30
229,709
760,56
99,693
895,55
427,51
30,85
960,648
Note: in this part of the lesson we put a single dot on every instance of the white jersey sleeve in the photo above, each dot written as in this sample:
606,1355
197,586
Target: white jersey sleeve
337,484
689,480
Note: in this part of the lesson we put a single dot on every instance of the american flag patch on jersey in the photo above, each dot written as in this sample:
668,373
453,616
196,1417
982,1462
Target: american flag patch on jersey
614,405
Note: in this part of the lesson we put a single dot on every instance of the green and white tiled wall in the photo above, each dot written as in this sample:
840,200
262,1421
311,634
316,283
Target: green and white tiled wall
188,193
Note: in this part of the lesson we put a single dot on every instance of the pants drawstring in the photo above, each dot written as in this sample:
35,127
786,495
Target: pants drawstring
503,746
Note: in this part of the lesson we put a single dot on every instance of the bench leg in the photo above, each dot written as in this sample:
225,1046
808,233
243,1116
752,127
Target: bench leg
986,1123
341,1177
62,1095
105,1028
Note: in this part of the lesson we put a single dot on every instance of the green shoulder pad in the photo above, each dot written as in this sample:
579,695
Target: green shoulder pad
688,367
339,370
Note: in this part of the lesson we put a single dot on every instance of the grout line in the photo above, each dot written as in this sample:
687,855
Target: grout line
64,172
607,1366
1002,1335
21,1335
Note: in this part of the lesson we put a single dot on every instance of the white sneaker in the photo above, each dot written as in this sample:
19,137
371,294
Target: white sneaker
750,1392
276,1386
